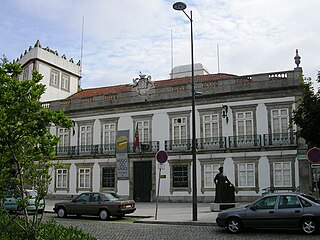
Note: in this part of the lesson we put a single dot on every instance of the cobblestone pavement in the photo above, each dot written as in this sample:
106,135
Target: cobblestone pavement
127,230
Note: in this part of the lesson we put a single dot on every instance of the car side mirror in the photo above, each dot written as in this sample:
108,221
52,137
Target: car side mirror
253,208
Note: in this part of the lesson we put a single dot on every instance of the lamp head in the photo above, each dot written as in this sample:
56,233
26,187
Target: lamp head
179,6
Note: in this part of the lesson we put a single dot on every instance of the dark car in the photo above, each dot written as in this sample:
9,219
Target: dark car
99,204
276,210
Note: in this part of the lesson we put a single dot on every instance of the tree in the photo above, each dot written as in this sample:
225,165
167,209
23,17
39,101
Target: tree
307,114
26,145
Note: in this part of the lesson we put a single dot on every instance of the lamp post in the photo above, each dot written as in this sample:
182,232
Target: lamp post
180,6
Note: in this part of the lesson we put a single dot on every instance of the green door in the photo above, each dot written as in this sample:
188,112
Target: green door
142,181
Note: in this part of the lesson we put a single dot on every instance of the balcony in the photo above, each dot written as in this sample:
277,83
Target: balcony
144,147
280,139
245,141
179,145
214,143
105,149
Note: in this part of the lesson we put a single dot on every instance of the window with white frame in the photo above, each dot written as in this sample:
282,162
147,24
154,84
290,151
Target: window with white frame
210,171
84,177
246,175
108,135
280,123
62,178
54,78
64,135
211,126
108,177
85,135
179,126
282,174
143,130
65,82
244,124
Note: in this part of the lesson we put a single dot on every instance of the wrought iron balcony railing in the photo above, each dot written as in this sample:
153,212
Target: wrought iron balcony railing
144,147
213,143
280,139
245,141
178,145
106,149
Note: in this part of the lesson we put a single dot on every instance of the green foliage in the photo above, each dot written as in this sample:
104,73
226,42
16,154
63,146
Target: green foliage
307,115
47,231
26,145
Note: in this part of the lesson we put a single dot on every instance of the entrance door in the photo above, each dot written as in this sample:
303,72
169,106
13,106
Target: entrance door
142,181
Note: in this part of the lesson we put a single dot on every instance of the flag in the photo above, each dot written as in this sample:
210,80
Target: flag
136,137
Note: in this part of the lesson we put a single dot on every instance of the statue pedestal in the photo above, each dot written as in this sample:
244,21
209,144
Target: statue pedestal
217,207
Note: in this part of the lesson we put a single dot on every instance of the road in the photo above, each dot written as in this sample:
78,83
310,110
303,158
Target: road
125,229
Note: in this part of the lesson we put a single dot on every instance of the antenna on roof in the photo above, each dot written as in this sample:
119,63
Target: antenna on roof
81,51
218,58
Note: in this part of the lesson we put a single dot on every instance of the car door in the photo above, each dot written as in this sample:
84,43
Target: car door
288,212
78,206
11,202
94,204
261,214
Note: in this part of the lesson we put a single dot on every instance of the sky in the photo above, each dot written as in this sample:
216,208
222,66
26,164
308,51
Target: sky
122,38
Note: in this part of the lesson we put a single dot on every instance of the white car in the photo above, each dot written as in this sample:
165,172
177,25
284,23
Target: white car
12,200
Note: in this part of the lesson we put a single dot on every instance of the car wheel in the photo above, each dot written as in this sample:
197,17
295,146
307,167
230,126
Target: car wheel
61,212
309,226
234,225
104,214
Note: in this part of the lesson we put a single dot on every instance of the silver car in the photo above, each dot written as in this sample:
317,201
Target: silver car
276,210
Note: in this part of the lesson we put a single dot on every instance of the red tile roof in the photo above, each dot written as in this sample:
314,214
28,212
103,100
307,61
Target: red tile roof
90,92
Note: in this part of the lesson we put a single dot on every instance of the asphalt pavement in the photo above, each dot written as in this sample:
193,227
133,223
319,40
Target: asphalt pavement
165,213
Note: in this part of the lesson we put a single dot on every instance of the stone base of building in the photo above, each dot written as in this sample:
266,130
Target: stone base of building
217,207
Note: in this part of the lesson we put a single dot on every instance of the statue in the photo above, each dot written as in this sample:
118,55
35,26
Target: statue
224,188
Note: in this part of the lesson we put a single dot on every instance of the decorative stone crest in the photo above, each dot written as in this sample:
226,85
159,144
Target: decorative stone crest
143,84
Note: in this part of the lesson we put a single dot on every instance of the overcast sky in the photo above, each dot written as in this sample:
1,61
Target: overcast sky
124,37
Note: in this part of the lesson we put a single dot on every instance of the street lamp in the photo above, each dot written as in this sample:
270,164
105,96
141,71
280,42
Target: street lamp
180,6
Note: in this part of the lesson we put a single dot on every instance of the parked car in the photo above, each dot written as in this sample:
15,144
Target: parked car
11,203
274,210
99,204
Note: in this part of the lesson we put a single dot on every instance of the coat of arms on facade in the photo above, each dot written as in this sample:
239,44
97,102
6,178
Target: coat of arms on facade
143,84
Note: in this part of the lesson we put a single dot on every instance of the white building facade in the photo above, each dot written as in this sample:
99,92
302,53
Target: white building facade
242,124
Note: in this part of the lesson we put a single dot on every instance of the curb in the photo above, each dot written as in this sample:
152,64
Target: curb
195,223
188,223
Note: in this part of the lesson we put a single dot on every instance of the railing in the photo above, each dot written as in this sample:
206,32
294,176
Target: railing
144,147
184,145
245,141
280,139
213,143
106,149
178,145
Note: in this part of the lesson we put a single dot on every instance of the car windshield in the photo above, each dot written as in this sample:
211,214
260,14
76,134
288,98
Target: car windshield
31,193
112,196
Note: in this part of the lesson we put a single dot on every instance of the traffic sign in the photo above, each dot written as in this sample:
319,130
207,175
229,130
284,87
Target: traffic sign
162,156
314,155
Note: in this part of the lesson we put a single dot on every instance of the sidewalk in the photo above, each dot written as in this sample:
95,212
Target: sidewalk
168,213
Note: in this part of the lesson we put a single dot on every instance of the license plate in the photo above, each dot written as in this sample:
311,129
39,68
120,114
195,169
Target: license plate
128,206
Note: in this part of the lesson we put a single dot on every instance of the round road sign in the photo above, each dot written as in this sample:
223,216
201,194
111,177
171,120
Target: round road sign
314,155
162,156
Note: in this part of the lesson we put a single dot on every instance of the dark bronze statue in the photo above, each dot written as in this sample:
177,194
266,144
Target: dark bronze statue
224,188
